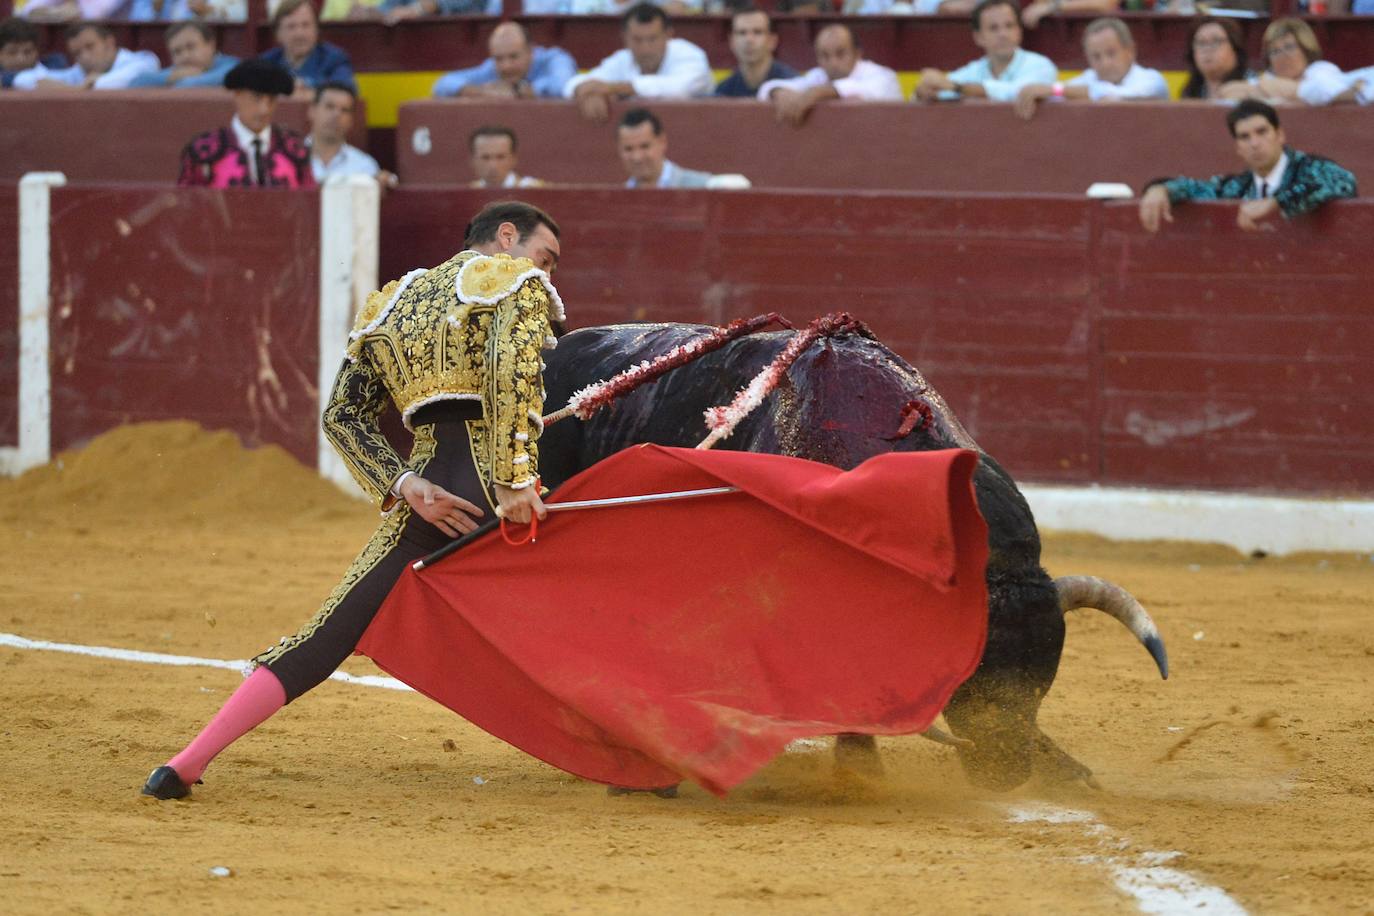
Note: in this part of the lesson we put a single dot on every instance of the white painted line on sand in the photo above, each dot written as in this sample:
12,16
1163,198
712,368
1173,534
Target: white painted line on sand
158,658
1141,875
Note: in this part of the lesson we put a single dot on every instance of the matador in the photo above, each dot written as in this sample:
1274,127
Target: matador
456,349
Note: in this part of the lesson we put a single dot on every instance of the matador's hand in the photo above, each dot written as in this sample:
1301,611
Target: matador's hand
518,505
451,514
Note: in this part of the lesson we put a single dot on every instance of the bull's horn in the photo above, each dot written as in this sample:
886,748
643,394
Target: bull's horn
940,736
1089,591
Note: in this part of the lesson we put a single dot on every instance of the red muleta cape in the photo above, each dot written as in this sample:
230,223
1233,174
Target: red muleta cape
644,644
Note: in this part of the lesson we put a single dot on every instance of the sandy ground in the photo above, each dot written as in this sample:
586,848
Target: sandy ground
1254,762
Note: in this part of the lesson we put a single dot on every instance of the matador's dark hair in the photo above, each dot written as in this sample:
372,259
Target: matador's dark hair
524,217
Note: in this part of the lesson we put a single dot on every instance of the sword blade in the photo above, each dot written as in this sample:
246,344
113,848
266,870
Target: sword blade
633,500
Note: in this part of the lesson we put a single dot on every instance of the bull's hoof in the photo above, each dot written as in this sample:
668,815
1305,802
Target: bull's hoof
1053,764
661,791
858,754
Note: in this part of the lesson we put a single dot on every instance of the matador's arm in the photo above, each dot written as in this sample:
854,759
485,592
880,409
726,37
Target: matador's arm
351,425
513,400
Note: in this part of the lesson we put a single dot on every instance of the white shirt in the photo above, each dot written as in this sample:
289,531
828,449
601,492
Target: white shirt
683,74
512,180
127,66
244,138
1025,68
349,160
869,81
1322,81
1270,183
1138,83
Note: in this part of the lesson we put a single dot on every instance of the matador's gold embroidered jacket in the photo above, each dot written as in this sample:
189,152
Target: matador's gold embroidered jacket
471,328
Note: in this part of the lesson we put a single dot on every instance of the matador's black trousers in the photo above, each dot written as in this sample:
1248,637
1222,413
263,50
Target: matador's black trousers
443,455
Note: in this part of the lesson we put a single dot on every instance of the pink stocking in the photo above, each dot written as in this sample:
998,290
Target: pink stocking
252,704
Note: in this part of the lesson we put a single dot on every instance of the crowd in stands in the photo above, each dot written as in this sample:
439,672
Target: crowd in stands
393,11
652,65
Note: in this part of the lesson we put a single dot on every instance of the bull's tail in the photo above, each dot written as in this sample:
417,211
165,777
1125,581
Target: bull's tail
1089,591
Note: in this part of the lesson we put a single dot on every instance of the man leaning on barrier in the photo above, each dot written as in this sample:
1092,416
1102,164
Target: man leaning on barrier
1278,178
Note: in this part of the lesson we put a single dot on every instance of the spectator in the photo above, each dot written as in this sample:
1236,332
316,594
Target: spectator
251,151
1298,74
910,7
1216,59
652,65
493,150
159,11
1279,179
842,74
1034,12
1003,70
196,61
643,146
394,11
72,10
753,42
1113,73
331,120
19,50
607,7
299,50
100,63
515,70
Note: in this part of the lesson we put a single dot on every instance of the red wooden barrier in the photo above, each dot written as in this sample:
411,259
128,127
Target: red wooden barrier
903,42
1075,347
9,314
134,135
965,147
1235,358
185,303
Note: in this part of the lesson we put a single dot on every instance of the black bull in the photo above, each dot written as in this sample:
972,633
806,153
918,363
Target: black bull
843,401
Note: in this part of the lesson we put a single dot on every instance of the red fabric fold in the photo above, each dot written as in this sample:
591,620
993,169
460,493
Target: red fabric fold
644,644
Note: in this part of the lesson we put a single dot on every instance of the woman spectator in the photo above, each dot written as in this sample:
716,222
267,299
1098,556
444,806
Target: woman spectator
1298,74
1216,58
299,50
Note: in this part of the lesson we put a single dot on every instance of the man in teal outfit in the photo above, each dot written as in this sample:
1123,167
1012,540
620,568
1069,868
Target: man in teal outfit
1279,179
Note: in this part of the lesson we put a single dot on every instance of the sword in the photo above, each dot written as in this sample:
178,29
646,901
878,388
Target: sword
573,505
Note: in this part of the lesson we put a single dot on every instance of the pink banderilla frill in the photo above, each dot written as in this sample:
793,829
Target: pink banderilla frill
721,421
589,400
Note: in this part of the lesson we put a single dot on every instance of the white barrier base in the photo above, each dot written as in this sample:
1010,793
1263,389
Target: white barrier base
1273,524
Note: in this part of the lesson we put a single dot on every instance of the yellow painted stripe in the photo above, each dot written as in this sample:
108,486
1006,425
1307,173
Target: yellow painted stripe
386,92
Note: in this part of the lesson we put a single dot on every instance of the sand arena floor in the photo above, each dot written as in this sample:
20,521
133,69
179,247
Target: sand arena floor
1250,772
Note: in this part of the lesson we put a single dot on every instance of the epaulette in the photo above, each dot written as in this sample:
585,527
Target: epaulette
487,279
375,309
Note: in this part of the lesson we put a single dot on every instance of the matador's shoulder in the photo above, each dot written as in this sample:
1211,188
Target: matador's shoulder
488,279
375,309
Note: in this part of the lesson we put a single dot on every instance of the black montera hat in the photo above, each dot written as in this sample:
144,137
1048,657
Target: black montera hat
260,76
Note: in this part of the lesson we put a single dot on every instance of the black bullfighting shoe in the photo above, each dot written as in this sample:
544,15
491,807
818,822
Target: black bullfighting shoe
661,791
164,783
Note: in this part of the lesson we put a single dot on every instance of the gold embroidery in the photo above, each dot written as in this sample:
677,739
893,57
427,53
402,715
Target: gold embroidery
494,275
431,345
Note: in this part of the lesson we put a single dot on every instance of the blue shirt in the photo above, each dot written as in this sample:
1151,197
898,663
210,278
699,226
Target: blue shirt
550,70
1026,68
326,63
221,65
453,7
734,86
51,61
172,11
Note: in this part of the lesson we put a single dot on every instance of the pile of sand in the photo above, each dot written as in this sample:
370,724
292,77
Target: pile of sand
178,473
